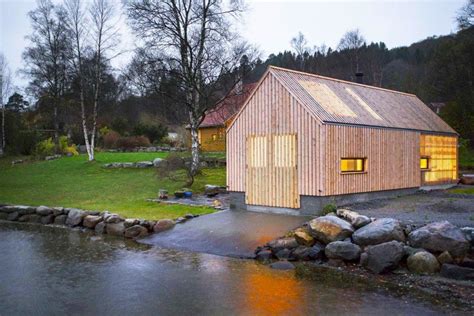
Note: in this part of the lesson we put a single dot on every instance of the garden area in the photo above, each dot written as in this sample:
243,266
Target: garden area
75,182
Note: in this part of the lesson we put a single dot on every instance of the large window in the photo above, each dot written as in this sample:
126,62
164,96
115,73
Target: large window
353,164
424,163
442,161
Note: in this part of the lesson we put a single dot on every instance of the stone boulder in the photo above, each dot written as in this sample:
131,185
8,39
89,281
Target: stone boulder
163,224
467,179
379,231
144,164
283,243
48,219
25,210
13,216
439,237
354,218
284,254
128,165
30,218
343,250
7,209
423,262
382,257
112,219
304,238
264,255
115,229
100,228
456,272
75,217
159,162
136,231
60,219
43,210
90,221
211,190
469,234
330,228
282,265
445,257
129,222
304,253
58,211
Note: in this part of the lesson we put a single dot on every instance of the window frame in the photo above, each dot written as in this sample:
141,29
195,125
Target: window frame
427,163
364,165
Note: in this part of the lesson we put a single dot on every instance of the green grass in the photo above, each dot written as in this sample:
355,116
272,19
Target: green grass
462,190
74,182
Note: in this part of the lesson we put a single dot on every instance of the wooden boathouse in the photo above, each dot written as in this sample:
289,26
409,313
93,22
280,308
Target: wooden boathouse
302,140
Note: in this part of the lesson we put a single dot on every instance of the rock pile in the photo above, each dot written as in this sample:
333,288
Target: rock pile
100,222
379,245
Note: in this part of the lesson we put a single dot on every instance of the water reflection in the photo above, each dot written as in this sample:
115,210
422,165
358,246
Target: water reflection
56,271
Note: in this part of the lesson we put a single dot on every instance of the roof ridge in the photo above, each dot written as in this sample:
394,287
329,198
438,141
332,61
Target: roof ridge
339,80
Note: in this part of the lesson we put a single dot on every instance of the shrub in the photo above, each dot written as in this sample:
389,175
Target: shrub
45,148
132,142
155,133
110,139
65,148
120,125
329,208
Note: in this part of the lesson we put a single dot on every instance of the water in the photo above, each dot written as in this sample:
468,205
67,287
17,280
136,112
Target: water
47,270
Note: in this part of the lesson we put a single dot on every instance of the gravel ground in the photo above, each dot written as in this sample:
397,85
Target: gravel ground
423,207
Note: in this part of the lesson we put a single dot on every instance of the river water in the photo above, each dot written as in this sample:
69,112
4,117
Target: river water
52,271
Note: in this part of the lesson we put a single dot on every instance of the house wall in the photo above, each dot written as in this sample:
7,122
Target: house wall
207,141
393,159
273,110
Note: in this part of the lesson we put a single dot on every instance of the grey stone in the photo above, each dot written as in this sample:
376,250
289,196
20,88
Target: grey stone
304,253
74,217
48,219
439,237
13,216
379,231
136,231
115,229
282,243
382,257
408,251
159,162
90,221
354,218
342,250
25,210
100,228
264,255
163,225
304,238
211,190
282,265
469,234
336,263
128,165
129,222
445,257
189,216
8,209
58,211
423,262
4,216
43,210
113,219
180,220
144,164
60,219
456,272
30,218
284,254
330,228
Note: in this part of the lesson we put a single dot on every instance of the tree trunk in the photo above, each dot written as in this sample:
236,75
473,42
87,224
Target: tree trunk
194,125
56,125
2,146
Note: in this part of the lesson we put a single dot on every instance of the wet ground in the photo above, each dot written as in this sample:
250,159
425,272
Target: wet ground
422,208
226,233
56,271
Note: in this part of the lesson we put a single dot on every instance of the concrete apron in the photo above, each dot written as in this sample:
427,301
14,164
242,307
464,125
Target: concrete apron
233,233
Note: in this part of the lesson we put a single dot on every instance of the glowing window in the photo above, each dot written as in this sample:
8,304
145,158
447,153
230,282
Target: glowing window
214,136
353,164
424,162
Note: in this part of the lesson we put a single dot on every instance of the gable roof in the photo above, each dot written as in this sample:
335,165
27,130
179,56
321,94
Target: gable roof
228,107
343,102
335,101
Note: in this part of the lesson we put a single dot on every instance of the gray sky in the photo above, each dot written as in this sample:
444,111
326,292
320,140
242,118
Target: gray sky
270,24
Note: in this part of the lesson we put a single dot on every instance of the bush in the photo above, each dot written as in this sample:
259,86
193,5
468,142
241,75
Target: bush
110,139
132,142
329,208
155,133
45,148
120,125
65,148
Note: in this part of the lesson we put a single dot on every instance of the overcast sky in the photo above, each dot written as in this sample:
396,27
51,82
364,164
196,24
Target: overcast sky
270,24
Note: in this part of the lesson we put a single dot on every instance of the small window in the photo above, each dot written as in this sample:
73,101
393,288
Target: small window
353,164
214,137
424,163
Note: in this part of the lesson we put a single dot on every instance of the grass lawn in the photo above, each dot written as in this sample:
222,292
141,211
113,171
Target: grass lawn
74,182
463,190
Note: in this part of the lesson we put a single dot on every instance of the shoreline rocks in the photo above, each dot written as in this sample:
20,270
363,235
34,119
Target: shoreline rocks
330,228
379,231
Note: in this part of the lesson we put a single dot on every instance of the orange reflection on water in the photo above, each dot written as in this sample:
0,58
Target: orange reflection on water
271,292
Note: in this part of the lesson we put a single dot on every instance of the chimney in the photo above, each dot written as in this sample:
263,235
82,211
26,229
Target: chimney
359,77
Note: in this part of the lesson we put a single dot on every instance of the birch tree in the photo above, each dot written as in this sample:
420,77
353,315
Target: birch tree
5,86
94,30
196,38
352,41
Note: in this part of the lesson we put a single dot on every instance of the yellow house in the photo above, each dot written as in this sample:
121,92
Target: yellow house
212,129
